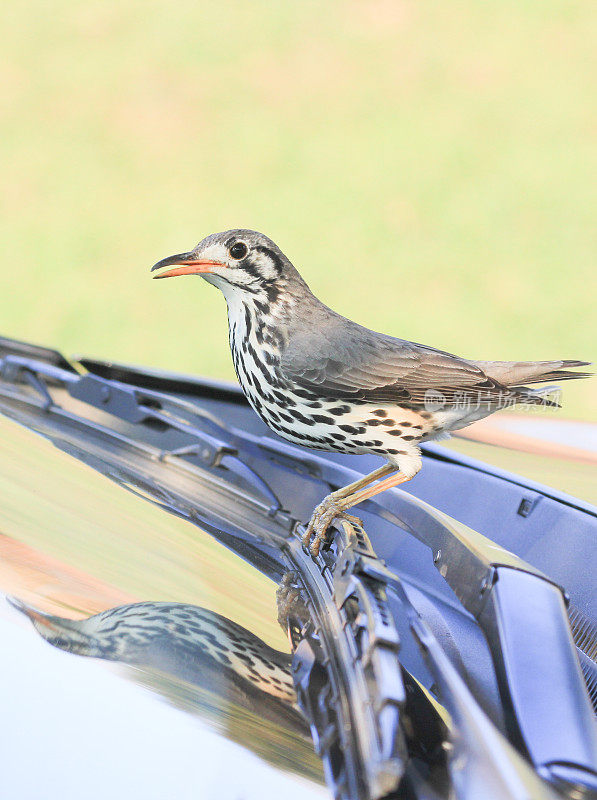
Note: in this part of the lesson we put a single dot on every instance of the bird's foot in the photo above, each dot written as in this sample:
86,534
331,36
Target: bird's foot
316,531
289,600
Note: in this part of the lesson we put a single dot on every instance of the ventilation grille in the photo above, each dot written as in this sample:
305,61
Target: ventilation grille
584,632
590,672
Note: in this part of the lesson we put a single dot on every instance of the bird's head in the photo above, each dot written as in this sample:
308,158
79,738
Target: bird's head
236,261
75,636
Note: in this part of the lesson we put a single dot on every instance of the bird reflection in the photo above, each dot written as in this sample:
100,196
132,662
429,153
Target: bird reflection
190,643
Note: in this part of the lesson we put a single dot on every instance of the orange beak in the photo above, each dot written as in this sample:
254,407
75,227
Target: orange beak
33,614
186,265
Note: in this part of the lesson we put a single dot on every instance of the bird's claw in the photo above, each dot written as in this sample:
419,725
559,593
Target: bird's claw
289,600
316,532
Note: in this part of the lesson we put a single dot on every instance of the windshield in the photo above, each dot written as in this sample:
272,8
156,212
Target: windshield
73,544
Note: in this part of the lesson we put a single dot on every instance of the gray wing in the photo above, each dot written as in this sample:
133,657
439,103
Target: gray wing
342,359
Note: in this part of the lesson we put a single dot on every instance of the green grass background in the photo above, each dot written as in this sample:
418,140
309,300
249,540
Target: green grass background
429,166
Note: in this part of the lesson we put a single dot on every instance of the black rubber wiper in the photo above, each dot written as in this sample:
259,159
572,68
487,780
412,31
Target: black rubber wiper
346,667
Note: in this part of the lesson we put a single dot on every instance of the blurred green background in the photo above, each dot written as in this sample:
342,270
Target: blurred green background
429,166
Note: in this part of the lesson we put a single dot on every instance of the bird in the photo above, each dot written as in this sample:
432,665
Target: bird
318,379
192,643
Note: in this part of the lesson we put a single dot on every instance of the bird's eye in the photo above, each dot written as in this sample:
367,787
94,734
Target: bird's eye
238,250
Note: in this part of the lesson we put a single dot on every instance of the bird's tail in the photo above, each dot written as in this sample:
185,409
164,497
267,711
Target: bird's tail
516,374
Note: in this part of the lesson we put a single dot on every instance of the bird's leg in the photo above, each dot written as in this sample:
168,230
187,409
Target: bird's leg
330,505
349,500
358,497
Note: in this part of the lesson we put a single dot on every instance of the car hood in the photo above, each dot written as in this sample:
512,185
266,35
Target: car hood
559,453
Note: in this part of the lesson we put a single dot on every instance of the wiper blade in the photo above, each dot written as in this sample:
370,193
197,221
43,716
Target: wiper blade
164,380
346,668
48,355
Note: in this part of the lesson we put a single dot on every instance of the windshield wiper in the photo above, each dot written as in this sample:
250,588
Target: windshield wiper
138,406
346,667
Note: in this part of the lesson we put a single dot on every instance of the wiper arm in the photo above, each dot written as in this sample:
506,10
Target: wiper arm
136,406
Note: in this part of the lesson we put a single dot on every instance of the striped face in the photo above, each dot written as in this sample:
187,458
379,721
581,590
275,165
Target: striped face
250,266
241,263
